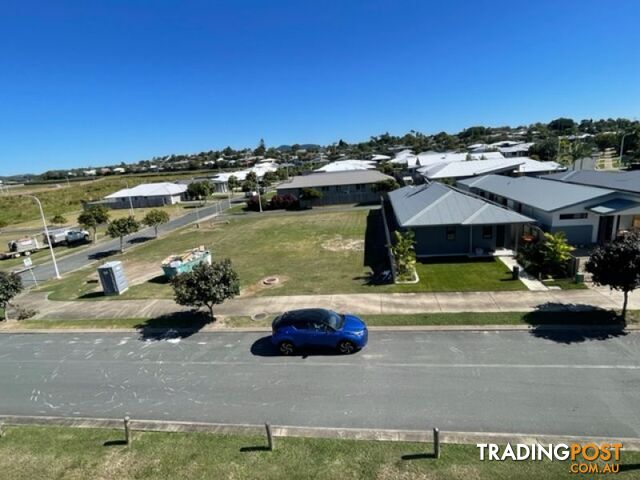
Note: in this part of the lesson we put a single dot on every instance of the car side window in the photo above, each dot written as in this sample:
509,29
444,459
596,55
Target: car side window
301,324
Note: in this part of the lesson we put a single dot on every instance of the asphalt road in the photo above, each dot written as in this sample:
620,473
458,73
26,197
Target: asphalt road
103,250
458,381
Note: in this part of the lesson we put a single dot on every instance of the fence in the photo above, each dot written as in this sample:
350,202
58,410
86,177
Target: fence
387,236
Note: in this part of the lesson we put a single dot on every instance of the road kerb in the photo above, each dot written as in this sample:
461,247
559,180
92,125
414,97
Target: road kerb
389,435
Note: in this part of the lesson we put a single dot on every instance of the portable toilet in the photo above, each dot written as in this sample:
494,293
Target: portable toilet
112,278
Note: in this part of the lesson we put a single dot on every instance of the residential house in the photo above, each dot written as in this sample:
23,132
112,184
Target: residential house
584,213
347,165
473,168
356,186
146,195
450,222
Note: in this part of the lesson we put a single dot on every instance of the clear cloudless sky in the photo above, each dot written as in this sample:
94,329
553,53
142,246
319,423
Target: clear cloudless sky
97,82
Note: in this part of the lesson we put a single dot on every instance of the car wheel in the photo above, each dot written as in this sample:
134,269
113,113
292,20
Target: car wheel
346,347
286,348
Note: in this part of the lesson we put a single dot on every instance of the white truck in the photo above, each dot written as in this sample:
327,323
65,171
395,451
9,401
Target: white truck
64,236
23,246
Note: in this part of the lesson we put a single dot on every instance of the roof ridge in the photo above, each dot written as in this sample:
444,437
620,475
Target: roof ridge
428,207
475,214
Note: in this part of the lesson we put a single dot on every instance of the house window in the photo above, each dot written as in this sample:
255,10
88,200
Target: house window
487,232
573,216
325,189
451,233
636,221
360,187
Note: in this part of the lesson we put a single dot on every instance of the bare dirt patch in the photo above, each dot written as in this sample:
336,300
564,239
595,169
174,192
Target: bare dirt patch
261,285
339,244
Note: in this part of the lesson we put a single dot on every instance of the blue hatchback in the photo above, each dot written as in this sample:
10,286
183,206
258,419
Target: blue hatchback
318,327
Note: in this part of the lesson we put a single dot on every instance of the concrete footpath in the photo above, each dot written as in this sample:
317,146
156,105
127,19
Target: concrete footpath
364,304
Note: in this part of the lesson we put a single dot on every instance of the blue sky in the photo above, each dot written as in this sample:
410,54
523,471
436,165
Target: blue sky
99,82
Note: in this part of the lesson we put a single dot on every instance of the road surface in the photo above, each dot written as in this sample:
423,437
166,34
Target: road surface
458,381
104,249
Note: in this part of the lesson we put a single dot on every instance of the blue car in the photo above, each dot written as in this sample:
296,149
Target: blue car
318,327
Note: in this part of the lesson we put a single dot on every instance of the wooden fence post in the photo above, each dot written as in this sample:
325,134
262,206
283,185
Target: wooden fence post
267,427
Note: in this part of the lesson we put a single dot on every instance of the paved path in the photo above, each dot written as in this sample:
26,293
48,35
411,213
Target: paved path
529,281
370,303
92,254
457,381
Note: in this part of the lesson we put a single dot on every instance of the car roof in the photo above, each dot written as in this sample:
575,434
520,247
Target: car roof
302,314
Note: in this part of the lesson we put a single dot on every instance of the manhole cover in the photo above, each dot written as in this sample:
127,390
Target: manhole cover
258,316
270,280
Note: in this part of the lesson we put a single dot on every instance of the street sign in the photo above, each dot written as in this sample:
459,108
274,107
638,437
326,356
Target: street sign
28,263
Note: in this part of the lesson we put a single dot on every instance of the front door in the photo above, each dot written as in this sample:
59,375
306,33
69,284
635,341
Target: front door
500,236
605,227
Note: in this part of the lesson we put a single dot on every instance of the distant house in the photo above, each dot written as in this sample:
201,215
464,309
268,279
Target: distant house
146,195
586,214
355,186
347,165
449,222
473,168
118,170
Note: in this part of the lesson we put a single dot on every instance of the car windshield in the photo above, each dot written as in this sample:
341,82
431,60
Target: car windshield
334,320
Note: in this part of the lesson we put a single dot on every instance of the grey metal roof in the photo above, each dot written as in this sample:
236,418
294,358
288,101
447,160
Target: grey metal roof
438,204
547,195
353,177
623,181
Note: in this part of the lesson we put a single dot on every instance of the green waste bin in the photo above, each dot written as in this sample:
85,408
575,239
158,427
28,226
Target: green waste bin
579,277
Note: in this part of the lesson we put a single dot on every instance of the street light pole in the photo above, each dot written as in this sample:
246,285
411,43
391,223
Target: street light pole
129,195
46,233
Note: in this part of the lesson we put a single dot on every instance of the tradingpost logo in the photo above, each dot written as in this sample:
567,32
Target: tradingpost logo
588,458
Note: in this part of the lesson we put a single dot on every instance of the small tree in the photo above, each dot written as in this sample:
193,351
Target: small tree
310,194
617,265
206,285
58,220
93,217
233,183
250,182
155,218
404,254
10,286
121,227
384,186
199,190
556,252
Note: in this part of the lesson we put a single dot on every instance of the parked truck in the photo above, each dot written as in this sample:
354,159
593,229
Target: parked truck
23,246
64,236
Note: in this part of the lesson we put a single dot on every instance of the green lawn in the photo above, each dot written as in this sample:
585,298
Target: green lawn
436,319
311,253
58,198
474,275
33,453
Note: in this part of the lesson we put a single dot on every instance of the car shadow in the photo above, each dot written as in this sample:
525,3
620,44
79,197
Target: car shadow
264,348
178,325
574,323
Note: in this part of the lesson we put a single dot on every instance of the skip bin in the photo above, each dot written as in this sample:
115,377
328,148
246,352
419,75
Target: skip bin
112,278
